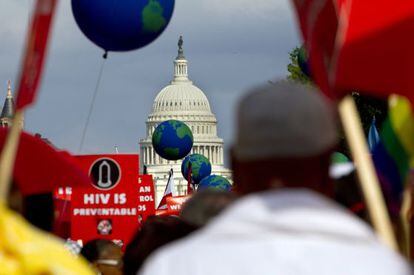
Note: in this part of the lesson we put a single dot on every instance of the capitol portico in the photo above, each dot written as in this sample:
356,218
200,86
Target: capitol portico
182,100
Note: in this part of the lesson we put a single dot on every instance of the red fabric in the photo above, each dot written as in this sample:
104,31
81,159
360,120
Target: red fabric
163,202
357,207
162,212
363,46
375,54
175,204
36,46
318,22
39,168
167,193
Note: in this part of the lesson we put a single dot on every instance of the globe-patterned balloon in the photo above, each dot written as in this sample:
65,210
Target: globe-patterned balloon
122,25
172,139
200,167
214,182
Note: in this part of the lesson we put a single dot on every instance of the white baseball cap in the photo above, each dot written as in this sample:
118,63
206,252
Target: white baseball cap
284,120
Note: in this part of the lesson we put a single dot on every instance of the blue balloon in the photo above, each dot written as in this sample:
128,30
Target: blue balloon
200,167
172,139
214,182
122,25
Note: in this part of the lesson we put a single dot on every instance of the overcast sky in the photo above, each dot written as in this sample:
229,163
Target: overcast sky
231,46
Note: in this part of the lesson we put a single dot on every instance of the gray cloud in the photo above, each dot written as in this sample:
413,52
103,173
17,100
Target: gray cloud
231,46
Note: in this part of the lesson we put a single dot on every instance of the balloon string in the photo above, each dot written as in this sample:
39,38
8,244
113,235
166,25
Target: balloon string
91,107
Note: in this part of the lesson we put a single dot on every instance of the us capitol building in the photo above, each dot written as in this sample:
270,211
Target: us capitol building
182,100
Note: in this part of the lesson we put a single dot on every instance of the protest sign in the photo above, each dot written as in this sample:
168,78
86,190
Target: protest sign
106,208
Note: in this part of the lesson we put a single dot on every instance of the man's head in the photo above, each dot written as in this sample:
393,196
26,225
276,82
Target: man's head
104,255
205,205
285,135
155,232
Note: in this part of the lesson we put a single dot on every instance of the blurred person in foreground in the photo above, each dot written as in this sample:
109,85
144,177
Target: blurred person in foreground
26,250
285,223
104,256
205,205
154,233
38,209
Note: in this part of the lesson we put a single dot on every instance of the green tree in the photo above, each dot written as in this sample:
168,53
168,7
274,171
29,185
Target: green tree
295,72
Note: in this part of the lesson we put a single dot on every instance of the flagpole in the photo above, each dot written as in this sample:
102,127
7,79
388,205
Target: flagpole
405,217
8,155
189,179
365,171
30,74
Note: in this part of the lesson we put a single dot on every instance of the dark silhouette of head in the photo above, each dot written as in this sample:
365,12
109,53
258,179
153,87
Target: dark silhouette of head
286,133
155,232
205,205
104,255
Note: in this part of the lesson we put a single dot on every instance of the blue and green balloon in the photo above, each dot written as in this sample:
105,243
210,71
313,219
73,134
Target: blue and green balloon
122,25
214,182
200,167
172,139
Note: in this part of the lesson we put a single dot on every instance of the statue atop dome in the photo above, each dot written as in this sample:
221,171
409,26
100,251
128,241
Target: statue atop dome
180,48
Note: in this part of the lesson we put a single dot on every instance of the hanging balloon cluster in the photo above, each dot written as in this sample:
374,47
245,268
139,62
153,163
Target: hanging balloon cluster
173,140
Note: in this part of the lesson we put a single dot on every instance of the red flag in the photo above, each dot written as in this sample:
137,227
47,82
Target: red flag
35,52
318,23
374,50
39,168
169,191
362,46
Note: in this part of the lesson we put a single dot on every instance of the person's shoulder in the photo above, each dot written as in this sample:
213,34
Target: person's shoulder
164,259
388,261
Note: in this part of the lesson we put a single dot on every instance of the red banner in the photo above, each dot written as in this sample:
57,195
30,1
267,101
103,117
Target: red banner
146,200
174,204
106,208
35,52
374,54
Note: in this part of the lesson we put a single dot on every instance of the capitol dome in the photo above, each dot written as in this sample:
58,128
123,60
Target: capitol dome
181,97
182,100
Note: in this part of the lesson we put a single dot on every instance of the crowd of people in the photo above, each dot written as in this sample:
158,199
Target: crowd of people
285,215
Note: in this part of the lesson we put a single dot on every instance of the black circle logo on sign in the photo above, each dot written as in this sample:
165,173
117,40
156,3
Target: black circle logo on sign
105,173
